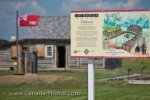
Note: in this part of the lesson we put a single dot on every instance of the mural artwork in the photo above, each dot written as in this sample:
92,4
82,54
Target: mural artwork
127,33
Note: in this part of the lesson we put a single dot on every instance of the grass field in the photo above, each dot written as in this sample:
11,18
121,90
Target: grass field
108,90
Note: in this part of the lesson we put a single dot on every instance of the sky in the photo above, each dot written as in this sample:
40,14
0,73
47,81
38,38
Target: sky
55,8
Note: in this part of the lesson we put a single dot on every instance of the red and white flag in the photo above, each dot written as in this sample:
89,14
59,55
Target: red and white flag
28,20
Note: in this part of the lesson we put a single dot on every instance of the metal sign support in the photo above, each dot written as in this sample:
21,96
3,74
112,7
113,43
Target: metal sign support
91,80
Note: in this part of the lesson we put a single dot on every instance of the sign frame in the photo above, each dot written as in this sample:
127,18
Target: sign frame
79,28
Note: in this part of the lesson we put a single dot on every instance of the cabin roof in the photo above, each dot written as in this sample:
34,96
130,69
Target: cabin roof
50,27
32,41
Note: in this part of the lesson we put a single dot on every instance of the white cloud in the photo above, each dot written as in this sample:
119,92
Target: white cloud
69,5
8,8
31,7
66,8
132,4
83,0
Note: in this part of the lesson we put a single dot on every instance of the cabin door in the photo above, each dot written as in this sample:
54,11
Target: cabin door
61,57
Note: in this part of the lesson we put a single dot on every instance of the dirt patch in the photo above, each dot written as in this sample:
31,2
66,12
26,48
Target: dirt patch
33,78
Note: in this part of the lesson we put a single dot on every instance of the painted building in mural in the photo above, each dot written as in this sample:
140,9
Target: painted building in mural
135,28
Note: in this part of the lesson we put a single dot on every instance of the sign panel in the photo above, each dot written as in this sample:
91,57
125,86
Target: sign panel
110,33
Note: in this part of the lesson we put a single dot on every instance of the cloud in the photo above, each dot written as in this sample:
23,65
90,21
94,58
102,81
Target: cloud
31,7
83,0
66,8
132,4
69,5
129,4
8,8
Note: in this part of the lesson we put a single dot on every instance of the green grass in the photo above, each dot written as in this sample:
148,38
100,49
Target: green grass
136,64
109,90
117,90
79,86
77,74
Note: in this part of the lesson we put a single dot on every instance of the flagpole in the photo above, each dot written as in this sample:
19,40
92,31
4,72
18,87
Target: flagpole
17,43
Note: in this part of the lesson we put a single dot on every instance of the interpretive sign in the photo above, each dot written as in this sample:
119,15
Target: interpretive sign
110,33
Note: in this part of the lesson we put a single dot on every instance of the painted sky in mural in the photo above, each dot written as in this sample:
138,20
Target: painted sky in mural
116,20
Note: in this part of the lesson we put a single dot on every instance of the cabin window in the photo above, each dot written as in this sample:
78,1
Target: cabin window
49,51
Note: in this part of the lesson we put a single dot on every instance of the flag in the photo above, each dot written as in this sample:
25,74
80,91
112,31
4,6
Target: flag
28,20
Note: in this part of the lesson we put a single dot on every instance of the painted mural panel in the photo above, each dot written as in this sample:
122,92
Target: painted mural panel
126,34
122,33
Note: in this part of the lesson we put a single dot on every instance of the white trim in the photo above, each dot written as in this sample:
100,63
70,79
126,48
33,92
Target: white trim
66,56
47,56
55,56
